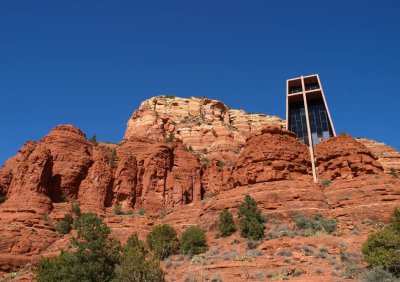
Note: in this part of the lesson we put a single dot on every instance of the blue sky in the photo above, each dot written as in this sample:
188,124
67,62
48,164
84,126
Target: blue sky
91,63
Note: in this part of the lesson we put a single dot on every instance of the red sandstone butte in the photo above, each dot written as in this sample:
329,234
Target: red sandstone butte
181,162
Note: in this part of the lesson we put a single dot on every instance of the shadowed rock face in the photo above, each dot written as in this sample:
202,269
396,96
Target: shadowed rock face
72,156
174,176
345,158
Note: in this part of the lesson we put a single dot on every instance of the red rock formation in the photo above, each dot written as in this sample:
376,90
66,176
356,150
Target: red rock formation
366,197
206,126
97,182
272,154
72,157
387,156
217,177
343,157
213,159
156,176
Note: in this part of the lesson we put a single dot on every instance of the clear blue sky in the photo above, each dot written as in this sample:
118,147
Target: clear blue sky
91,63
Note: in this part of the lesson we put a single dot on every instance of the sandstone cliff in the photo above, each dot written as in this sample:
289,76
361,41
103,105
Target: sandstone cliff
206,126
182,161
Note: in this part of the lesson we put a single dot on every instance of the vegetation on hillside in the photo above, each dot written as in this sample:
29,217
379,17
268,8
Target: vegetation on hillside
382,249
251,223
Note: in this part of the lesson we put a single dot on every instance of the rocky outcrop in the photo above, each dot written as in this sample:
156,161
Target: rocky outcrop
365,197
205,126
388,156
187,160
98,181
155,176
28,189
72,157
272,154
344,158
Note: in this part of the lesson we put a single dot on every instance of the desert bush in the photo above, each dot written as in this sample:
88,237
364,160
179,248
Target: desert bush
75,209
393,172
113,157
252,244
395,221
141,211
190,278
93,138
216,278
193,241
376,274
298,272
163,241
135,266
285,253
205,161
94,258
307,250
170,138
64,226
251,220
226,224
316,223
118,209
221,164
134,242
254,253
326,182
382,249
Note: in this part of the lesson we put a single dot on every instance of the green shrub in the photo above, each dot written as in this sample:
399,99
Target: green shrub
118,209
330,225
134,242
2,199
221,164
93,138
94,258
113,158
251,220
170,138
393,172
163,241
75,208
395,220
382,249
226,224
141,211
194,241
326,182
205,161
135,266
316,223
64,226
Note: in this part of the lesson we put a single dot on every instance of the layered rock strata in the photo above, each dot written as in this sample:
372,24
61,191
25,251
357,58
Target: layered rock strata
205,126
388,156
344,158
187,159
